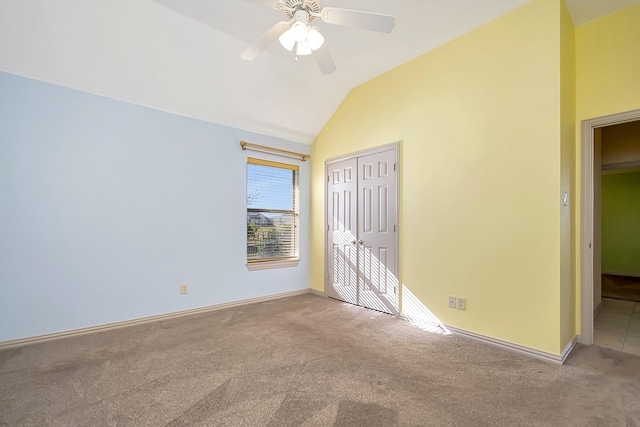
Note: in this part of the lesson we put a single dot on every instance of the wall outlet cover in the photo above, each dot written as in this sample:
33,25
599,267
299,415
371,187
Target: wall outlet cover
452,301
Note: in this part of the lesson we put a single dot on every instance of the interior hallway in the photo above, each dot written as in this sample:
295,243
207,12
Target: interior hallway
618,326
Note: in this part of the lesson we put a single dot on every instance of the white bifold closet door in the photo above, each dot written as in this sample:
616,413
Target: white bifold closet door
362,225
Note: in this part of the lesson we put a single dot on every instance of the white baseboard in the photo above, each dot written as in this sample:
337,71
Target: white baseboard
548,357
569,348
317,292
517,348
117,325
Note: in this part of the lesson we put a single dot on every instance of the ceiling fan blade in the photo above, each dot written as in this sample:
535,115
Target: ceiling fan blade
269,3
265,40
324,60
357,18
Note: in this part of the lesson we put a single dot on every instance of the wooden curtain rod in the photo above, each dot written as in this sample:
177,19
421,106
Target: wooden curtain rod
276,151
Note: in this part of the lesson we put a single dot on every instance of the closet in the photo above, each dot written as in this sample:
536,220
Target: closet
362,232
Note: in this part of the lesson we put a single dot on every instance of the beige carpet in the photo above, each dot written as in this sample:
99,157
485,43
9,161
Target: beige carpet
306,361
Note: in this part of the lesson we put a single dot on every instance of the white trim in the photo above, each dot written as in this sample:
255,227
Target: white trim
366,152
598,310
586,216
517,348
117,325
266,265
569,348
317,292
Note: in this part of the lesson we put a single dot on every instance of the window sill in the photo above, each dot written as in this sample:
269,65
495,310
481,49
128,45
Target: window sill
265,265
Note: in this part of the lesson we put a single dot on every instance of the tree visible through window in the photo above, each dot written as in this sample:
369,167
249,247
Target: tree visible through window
272,210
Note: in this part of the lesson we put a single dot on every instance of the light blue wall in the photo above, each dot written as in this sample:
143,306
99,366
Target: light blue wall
106,207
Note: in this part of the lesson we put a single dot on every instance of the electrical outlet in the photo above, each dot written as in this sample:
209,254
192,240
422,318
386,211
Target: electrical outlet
452,301
462,303
184,288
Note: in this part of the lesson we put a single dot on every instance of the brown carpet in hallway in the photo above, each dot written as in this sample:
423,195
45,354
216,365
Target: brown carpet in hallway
621,287
306,361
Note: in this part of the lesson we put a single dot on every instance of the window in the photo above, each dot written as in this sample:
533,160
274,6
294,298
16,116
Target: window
272,214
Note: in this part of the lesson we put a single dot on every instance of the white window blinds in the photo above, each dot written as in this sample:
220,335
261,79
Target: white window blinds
272,210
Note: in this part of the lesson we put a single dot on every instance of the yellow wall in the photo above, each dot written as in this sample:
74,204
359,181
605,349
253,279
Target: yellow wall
567,123
608,64
607,81
479,120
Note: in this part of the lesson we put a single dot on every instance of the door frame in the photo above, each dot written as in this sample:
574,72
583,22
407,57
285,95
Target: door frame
395,146
588,128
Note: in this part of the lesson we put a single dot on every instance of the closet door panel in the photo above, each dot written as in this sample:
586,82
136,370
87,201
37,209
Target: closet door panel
342,221
377,206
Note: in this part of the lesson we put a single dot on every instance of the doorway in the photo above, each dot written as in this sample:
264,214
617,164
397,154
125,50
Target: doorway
361,249
590,242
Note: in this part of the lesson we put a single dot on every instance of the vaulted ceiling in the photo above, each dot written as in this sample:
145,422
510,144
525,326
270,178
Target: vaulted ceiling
183,56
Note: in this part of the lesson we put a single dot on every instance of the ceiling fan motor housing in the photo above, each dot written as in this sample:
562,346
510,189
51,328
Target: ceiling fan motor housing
293,7
302,16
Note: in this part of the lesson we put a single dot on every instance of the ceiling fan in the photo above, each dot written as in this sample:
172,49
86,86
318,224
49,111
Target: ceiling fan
296,32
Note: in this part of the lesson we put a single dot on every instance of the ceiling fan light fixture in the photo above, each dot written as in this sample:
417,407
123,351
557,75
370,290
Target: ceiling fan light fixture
299,31
296,31
287,40
303,48
315,39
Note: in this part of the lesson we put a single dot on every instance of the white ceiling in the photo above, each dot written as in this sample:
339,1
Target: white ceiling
183,56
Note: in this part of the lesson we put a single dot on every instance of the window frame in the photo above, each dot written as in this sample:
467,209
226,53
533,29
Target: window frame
277,262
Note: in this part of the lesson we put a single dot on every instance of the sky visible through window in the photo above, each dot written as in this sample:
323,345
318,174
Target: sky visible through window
269,187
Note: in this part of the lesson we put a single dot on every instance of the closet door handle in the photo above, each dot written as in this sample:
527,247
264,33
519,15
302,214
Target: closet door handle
353,242
360,242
